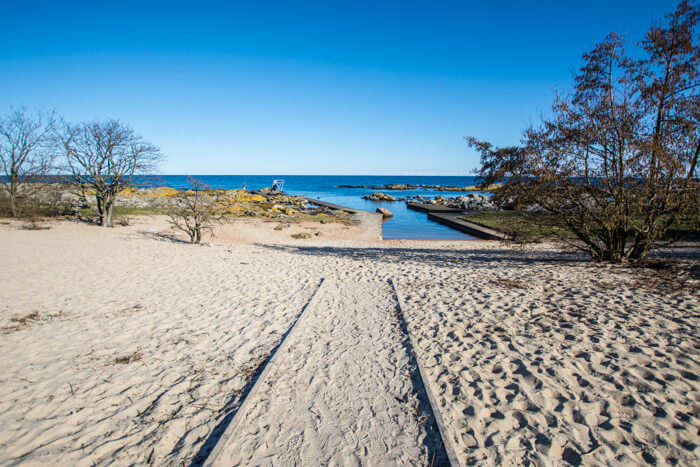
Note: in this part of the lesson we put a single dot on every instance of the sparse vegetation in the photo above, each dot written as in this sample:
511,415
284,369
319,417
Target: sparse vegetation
523,227
301,235
130,358
196,210
33,224
21,322
124,221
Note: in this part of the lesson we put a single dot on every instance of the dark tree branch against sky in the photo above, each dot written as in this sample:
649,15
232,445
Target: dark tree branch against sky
616,159
306,87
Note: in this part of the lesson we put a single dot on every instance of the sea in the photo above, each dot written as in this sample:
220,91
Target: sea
406,223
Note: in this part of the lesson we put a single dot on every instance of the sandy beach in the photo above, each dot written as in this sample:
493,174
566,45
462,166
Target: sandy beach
128,346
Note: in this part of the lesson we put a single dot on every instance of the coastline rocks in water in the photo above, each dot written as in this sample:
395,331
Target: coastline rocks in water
404,187
472,202
379,197
384,212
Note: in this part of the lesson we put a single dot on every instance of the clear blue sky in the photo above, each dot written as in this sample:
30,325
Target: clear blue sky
306,87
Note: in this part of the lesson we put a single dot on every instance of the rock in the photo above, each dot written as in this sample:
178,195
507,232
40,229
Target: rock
478,202
385,212
535,209
379,197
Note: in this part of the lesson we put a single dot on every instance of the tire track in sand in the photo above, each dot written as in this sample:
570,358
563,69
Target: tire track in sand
343,390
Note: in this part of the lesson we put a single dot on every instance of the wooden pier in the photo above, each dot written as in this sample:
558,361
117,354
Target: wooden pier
451,218
431,208
337,207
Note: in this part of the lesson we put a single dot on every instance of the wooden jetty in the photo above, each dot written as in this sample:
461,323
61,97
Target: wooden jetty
431,208
451,218
337,207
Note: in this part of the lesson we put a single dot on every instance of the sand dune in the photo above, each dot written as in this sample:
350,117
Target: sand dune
127,346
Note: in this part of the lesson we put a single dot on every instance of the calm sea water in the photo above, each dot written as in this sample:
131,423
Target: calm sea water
405,224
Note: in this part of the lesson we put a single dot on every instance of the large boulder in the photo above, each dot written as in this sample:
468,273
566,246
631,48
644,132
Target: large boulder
384,212
478,202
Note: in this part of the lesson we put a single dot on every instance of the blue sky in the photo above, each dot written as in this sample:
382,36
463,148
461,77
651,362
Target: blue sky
306,87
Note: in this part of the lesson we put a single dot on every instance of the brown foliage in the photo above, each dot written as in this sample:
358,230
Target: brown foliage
617,159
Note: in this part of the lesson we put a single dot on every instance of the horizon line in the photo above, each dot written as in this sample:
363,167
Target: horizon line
322,175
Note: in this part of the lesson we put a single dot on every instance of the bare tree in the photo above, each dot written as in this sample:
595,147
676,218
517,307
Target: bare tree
195,210
616,162
26,154
107,156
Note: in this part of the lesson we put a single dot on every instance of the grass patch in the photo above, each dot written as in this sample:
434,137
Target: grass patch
527,227
523,227
301,235
126,211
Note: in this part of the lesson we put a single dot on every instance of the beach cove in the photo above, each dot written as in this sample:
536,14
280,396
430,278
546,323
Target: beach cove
130,346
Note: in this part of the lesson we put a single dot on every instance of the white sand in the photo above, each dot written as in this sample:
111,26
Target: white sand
571,361
340,394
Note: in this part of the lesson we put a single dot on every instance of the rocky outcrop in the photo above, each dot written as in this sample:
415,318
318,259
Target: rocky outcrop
477,202
402,187
385,212
379,197
472,201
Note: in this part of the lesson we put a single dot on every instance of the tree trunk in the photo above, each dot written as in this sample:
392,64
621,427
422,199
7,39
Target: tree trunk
13,194
13,204
100,210
109,209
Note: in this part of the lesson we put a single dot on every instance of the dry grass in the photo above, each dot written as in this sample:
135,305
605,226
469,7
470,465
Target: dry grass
21,322
126,359
301,235
124,221
34,225
667,276
132,309
508,283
